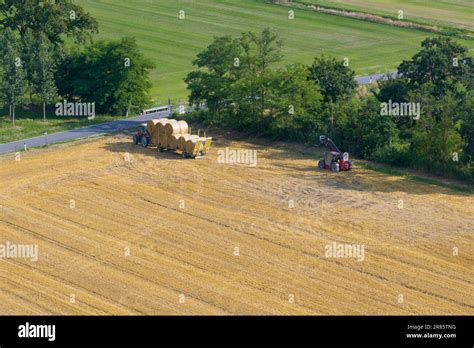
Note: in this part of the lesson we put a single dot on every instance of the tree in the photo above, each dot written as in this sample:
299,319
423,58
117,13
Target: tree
294,104
114,75
334,78
440,78
54,18
234,75
435,137
366,131
217,67
395,89
260,52
441,61
466,108
13,80
42,76
28,46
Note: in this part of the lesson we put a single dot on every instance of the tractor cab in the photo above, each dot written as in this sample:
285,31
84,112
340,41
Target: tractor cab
333,159
142,136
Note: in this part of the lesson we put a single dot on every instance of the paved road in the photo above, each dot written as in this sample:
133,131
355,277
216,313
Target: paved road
114,126
362,80
94,130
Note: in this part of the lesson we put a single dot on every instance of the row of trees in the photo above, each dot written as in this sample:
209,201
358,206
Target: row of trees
244,86
238,82
38,68
441,78
28,69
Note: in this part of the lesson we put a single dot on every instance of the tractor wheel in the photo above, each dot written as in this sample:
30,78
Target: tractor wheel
135,139
335,167
322,164
144,141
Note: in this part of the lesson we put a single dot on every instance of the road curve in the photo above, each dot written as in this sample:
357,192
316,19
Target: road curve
79,133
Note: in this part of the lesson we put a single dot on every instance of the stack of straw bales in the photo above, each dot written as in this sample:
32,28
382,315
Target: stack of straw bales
166,132
153,126
150,125
173,134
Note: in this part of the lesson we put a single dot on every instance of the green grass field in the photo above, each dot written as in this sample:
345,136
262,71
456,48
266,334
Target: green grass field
455,13
29,124
173,43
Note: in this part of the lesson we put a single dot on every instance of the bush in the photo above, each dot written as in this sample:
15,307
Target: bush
394,154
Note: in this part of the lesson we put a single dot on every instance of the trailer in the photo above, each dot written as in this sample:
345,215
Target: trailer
199,150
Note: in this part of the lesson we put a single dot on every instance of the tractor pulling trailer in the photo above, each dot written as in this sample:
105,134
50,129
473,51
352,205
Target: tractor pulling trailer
172,135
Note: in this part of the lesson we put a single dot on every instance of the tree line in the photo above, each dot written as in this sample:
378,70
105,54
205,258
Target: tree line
47,54
243,85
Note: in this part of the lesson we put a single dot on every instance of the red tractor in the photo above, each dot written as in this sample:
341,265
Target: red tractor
333,159
142,136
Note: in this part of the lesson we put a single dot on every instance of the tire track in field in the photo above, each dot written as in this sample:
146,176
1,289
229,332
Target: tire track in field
286,246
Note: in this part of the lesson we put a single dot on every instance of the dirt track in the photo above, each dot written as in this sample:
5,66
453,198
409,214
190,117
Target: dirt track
190,250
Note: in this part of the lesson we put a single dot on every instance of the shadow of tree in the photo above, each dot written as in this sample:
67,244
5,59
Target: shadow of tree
290,160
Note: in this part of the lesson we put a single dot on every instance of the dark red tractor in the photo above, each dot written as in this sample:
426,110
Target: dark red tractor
142,136
333,159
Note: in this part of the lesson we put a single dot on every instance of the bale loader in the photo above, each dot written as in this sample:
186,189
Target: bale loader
334,159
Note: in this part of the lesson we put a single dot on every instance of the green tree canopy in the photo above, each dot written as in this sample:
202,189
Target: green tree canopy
334,78
42,71
294,104
217,70
441,61
13,83
114,75
54,18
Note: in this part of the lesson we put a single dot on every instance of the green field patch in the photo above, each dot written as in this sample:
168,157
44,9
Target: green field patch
173,43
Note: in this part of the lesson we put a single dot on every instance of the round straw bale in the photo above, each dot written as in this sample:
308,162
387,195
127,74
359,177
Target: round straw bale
164,140
172,127
184,128
191,144
161,128
155,136
150,125
182,141
173,141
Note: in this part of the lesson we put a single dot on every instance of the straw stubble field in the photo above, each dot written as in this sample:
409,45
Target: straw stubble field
86,207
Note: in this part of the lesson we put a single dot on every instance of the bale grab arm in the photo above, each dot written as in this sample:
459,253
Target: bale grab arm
328,143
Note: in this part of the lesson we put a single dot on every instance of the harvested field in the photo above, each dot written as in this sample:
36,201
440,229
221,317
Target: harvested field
182,220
